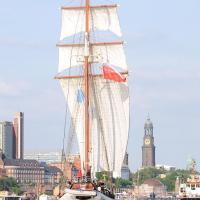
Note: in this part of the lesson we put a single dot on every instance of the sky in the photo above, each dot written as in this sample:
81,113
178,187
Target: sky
163,54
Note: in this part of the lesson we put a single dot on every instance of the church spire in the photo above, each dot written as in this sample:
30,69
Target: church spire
148,126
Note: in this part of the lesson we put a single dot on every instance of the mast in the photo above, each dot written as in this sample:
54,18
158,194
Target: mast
86,85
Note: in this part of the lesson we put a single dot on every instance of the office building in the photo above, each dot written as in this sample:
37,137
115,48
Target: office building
24,171
18,129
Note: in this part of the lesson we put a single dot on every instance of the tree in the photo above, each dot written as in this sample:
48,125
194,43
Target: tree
146,173
103,175
9,184
169,180
119,182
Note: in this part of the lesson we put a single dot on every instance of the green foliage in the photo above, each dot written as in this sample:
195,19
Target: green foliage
119,182
103,175
9,184
16,190
169,180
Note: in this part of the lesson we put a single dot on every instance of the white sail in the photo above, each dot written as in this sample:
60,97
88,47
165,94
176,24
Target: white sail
70,88
102,18
110,124
72,55
109,120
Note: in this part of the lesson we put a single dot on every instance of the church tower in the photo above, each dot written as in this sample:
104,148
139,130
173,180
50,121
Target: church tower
148,148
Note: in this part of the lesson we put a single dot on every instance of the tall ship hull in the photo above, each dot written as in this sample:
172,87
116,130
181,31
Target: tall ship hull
79,194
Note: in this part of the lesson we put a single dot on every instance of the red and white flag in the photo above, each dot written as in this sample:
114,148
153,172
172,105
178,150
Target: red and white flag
112,74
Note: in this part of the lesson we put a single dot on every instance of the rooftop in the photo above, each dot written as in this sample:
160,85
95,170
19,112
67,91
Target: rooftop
153,182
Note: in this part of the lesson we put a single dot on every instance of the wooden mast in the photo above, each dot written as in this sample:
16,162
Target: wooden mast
86,85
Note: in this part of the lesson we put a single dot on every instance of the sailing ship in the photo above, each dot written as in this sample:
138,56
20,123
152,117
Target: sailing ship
93,74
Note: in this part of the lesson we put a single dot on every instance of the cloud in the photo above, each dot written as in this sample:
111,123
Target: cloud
13,88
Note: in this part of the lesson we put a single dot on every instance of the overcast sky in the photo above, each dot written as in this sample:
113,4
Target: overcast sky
163,52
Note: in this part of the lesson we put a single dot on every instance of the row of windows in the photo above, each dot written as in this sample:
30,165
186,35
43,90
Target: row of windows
30,181
25,171
34,173
29,177
193,186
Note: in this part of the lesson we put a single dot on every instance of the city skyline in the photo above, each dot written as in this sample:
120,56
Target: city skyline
163,56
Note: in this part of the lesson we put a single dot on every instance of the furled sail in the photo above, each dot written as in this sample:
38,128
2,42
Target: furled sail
102,18
72,55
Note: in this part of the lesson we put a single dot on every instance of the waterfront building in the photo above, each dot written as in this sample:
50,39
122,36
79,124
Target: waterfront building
24,171
152,186
6,139
59,165
148,148
30,172
18,129
52,174
72,165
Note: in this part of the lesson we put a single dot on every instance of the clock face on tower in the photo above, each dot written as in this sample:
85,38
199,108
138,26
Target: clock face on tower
147,141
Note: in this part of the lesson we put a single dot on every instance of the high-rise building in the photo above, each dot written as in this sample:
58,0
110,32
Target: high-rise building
148,148
6,139
18,129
